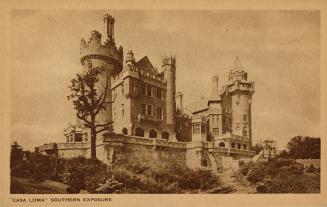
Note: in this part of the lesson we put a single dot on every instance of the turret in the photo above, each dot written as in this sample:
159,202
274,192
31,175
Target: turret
169,69
107,56
241,92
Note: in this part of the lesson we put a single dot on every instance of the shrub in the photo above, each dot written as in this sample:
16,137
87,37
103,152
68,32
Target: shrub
311,169
110,186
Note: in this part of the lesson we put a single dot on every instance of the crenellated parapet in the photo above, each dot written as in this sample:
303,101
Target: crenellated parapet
108,53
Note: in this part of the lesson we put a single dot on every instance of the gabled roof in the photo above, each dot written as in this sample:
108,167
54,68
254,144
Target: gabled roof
145,64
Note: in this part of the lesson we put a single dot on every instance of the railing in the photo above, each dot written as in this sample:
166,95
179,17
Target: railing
73,145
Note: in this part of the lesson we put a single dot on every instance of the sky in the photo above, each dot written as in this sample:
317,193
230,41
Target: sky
280,50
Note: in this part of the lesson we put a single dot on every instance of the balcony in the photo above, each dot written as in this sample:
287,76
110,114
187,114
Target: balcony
147,118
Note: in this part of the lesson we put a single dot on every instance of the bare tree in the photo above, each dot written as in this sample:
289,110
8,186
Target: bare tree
89,102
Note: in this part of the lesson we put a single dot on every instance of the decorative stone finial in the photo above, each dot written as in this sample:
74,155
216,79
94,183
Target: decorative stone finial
130,57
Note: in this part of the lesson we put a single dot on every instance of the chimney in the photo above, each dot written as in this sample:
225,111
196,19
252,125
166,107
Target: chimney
215,83
179,100
109,22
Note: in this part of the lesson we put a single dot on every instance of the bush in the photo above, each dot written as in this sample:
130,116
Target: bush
110,186
311,169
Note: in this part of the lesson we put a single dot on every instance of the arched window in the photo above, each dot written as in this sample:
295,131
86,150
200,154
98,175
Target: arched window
204,163
245,132
152,134
165,135
233,145
221,144
124,131
244,146
139,132
238,146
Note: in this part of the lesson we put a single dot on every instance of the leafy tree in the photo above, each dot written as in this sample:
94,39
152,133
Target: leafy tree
257,148
304,147
89,102
16,154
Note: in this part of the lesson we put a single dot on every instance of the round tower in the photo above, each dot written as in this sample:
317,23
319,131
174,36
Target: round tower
241,91
169,69
106,55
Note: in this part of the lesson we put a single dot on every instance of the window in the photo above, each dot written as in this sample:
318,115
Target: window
203,128
139,132
159,113
215,131
221,144
143,109
238,146
143,89
152,133
133,86
233,145
196,129
245,117
245,132
85,137
158,93
165,135
244,146
149,90
122,110
124,131
122,88
78,137
204,163
150,110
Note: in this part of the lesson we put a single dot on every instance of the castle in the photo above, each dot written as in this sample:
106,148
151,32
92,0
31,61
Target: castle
149,120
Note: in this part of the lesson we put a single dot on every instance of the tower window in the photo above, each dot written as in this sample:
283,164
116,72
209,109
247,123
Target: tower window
245,132
245,117
133,86
122,110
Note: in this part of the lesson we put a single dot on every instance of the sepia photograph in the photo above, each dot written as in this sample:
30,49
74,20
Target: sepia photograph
154,101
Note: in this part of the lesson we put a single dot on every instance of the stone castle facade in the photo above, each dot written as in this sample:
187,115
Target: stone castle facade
149,120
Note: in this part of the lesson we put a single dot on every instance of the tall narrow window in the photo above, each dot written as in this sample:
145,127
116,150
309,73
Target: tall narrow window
245,117
149,90
122,110
245,132
122,88
143,89
203,129
159,113
158,93
150,110
143,109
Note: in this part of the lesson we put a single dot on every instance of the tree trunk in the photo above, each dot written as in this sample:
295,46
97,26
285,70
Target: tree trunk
93,140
